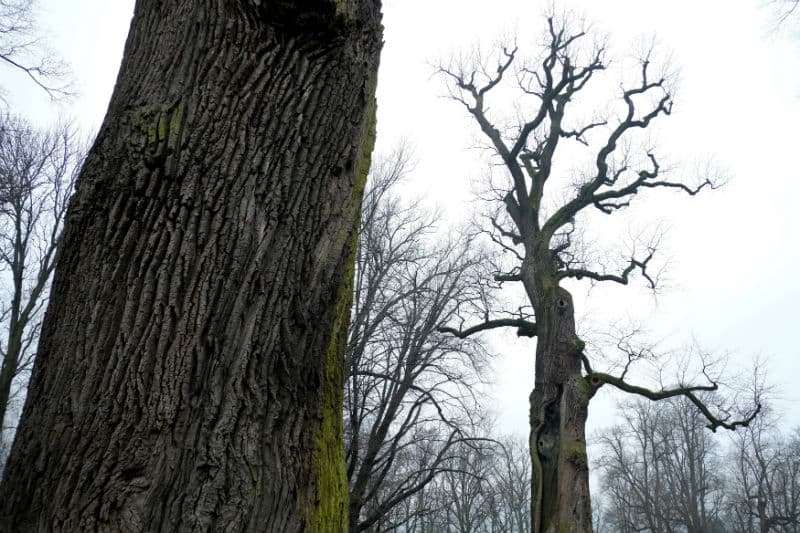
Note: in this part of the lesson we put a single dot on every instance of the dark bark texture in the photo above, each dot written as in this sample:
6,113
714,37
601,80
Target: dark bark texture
560,498
189,375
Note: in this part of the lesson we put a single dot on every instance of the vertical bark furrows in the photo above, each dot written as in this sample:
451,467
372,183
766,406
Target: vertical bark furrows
559,408
179,378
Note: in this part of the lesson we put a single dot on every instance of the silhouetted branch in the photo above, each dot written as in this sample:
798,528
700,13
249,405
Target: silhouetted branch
26,53
507,277
598,379
622,278
524,327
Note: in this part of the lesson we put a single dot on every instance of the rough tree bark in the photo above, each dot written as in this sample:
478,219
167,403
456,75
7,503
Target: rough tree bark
558,413
189,374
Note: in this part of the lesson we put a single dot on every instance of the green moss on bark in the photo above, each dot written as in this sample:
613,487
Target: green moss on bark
579,345
330,513
585,389
160,126
142,119
575,452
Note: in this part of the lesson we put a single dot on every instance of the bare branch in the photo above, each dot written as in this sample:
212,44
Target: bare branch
503,277
614,199
524,327
622,278
598,379
24,52
578,134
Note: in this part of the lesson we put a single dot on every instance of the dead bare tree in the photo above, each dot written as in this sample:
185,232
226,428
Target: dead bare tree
538,231
410,396
22,48
37,174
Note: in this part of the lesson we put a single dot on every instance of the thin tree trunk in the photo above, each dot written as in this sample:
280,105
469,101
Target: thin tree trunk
10,367
189,374
559,407
7,373
13,356
13,352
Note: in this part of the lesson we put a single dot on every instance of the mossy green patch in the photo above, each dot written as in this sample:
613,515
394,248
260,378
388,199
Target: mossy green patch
329,515
579,345
175,123
143,120
585,389
161,126
575,452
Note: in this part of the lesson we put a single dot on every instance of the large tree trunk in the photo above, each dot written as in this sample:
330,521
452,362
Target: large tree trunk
189,374
559,407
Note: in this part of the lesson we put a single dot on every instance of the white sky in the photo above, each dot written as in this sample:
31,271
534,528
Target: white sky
733,253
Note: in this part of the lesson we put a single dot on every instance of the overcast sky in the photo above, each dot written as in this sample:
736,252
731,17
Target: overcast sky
733,253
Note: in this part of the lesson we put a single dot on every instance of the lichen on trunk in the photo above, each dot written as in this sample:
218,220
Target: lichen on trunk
331,514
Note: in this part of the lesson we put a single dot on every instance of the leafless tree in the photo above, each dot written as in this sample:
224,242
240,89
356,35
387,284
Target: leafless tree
483,489
661,471
510,486
536,221
37,173
410,395
599,521
763,489
420,512
465,493
23,49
